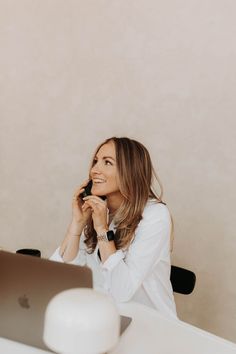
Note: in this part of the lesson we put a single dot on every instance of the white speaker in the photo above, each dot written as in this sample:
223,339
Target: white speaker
81,321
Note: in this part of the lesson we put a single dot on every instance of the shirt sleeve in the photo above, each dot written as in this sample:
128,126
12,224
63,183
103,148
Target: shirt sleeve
125,272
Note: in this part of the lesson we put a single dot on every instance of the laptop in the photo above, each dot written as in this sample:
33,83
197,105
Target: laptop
27,284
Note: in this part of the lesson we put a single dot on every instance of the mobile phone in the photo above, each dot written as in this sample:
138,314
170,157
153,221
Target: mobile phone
87,191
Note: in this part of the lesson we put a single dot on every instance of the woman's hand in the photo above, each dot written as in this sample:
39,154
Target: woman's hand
98,207
70,245
79,215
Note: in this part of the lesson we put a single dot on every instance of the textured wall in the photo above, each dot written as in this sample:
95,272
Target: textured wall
75,72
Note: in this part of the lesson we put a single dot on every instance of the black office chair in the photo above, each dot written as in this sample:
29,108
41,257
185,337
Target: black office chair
182,280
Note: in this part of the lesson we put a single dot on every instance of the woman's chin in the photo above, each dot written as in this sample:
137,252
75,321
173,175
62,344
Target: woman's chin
98,192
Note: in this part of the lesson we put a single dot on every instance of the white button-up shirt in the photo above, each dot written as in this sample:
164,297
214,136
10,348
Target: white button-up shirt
140,273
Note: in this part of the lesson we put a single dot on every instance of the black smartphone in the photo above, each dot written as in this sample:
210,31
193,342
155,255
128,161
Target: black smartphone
87,191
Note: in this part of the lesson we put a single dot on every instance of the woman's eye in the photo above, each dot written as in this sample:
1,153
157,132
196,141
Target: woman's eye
107,162
94,162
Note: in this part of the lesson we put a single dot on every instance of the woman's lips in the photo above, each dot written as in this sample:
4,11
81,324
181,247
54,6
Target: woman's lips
98,181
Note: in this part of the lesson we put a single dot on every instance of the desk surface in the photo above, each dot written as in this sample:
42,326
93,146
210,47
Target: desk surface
151,333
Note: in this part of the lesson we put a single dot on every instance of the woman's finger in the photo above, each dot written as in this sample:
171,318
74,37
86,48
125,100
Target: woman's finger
86,207
91,204
80,189
95,199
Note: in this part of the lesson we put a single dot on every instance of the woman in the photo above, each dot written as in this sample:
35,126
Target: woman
124,239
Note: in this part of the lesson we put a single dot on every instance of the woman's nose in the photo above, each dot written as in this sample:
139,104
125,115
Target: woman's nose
95,169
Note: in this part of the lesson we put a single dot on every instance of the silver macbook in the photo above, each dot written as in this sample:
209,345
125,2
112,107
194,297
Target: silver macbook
27,284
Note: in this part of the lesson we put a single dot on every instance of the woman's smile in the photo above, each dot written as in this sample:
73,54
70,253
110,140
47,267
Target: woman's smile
98,180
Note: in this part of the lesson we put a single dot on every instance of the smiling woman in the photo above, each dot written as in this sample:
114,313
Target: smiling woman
126,238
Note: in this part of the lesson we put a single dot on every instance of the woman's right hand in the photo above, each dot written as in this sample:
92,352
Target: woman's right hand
70,245
79,216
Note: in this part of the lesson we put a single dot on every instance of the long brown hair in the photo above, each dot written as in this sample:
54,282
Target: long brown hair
136,177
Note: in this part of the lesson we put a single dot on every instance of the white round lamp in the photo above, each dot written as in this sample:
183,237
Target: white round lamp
81,321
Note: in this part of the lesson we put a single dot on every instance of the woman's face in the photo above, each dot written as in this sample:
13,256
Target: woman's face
104,172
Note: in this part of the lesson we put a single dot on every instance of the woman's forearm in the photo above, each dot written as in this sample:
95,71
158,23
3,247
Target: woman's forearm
70,245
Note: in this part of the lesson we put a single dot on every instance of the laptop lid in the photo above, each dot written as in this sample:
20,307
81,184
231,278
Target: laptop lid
26,286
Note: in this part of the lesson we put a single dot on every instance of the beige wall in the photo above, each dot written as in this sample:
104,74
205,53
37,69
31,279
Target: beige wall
75,72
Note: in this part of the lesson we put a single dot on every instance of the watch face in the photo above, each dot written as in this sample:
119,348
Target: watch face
110,235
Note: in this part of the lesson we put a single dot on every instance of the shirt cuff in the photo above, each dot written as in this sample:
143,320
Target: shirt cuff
80,259
56,256
113,260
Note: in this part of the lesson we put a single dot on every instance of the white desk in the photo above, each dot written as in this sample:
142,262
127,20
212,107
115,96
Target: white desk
150,333
10,347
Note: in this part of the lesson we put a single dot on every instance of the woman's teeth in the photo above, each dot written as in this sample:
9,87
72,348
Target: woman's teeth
98,181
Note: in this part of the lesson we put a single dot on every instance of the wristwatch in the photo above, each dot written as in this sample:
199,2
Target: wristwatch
106,236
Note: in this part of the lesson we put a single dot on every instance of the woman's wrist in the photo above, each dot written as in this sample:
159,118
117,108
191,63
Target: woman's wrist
75,229
102,229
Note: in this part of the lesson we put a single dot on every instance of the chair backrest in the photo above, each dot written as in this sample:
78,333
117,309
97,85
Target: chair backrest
182,280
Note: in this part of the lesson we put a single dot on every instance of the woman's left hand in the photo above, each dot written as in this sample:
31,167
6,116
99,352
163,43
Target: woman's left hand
99,212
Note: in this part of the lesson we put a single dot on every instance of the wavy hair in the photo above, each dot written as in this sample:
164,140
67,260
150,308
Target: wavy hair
136,176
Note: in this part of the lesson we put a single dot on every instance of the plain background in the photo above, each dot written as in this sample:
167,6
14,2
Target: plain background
73,73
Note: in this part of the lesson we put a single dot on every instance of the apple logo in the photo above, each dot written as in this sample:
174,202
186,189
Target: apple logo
24,302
